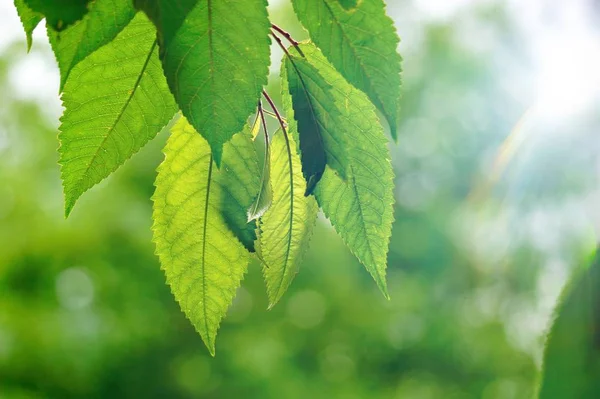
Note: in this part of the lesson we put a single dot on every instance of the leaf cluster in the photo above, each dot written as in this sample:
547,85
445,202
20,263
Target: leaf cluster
128,68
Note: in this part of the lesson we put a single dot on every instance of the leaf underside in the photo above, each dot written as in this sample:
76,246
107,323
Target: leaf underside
360,207
115,100
286,228
98,27
264,198
216,60
572,355
319,122
203,261
360,40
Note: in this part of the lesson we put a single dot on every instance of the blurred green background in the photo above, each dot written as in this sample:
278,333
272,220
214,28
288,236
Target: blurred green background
487,231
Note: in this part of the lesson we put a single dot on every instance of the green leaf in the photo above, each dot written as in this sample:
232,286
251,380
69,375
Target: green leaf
216,58
115,101
361,42
98,27
60,13
286,228
29,19
239,180
265,194
572,355
348,4
360,207
320,124
203,261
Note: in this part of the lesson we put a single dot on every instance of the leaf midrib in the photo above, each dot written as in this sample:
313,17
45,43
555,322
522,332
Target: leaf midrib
121,113
356,56
203,263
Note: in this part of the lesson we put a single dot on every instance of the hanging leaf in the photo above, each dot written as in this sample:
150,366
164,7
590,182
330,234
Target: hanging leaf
29,19
239,181
98,27
216,58
115,100
320,125
60,13
203,261
265,194
361,206
286,228
361,42
572,355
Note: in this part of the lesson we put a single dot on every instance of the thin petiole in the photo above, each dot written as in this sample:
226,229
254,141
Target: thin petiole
276,29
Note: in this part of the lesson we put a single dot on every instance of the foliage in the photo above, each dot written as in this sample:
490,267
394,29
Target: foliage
572,355
210,193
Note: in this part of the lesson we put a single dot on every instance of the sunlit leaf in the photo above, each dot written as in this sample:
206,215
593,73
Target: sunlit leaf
115,101
29,19
361,42
203,261
216,58
572,355
286,228
99,26
361,206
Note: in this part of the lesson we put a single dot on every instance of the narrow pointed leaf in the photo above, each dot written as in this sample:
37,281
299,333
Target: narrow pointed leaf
239,180
286,228
360,207
60,13
116,100
29,19
265,195
255,127
203,260
216,58
360,40
98,27
572,355
318,120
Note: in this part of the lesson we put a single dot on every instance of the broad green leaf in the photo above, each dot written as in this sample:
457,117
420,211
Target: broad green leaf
264,198
216,58
286,228
29,19
203,261
320,124
361,206
239,178
115,101
98,27
361,42
60,13
572,355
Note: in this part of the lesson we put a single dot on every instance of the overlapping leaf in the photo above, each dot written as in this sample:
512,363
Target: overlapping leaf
265,194
29,19
203,261
60,13
361,42
115,101
103,22
360,207
216,58
572,355
320,124
286,228
239,179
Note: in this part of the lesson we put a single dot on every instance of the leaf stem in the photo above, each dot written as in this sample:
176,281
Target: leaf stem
275,29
